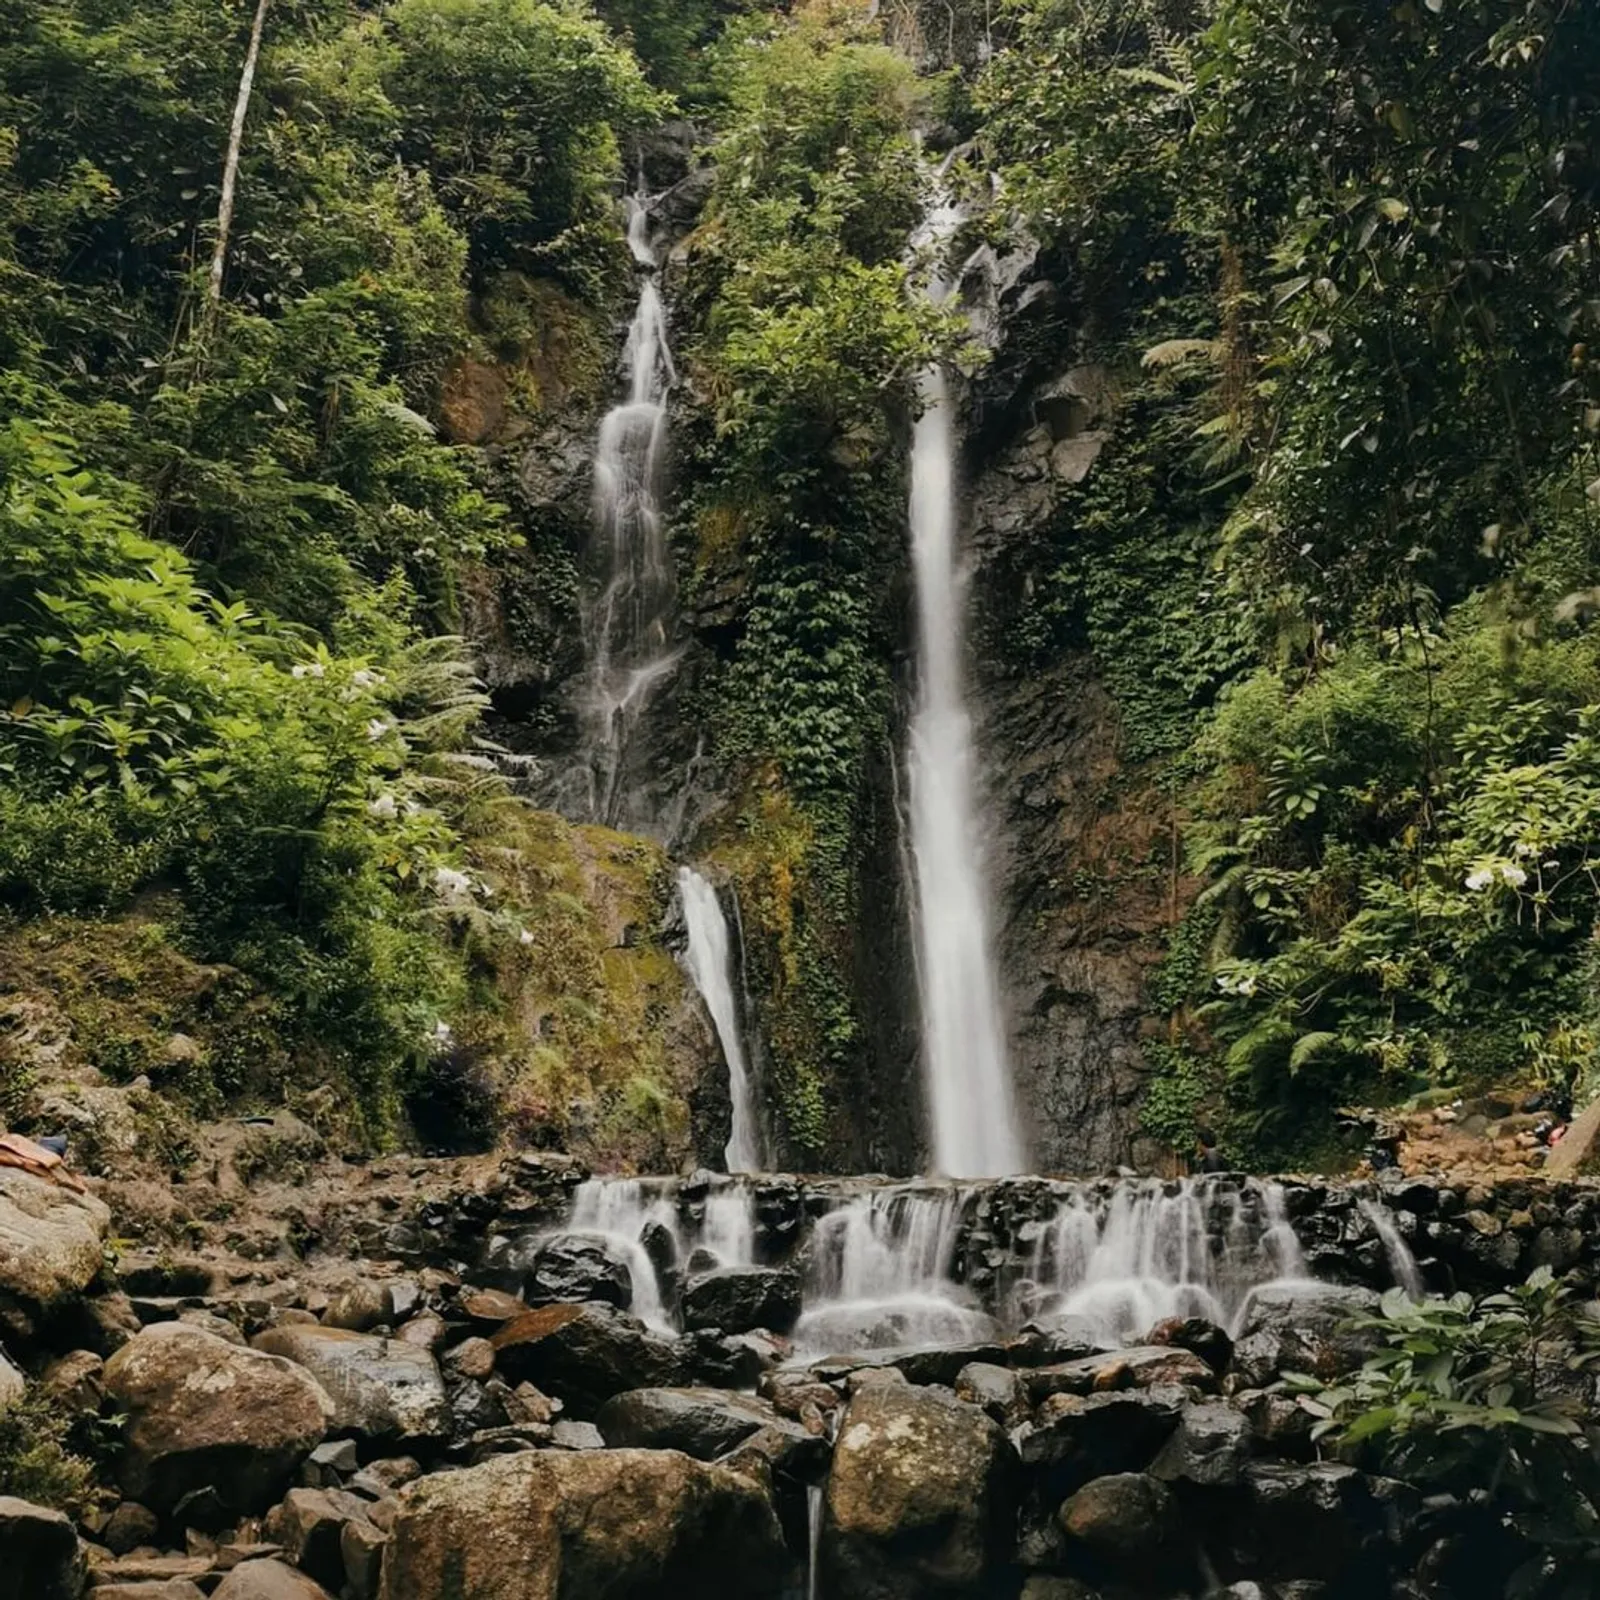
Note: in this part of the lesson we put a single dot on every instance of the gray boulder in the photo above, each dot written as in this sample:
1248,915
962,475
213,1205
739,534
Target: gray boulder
1080,1437
584,1354
42,1557
919,1497
706,1424
1209,1448
557,1269
1302,1327
739,1299
52,1239
1126,1520
384,1391
207,1416
603,1525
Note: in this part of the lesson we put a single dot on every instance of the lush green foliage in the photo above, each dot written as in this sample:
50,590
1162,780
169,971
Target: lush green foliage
1483,1400
808,351
1340,265
230,537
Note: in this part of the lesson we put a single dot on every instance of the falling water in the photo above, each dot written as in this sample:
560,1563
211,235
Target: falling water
881,1275
1112,1266
630,627
1396,1251
963,1039
813,1540
711,967
625,1213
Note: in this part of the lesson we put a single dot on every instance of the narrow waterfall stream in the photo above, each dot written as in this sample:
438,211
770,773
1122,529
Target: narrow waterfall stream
967,1075
709,960
631,625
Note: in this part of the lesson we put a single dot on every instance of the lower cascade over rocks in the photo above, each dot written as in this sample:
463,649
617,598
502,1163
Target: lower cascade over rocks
917,1497
204,1414
603,1525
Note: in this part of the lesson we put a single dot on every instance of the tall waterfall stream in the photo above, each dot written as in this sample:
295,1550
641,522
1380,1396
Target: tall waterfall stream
974,1125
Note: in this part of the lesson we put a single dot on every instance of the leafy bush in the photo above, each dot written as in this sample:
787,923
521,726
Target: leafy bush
1484,1401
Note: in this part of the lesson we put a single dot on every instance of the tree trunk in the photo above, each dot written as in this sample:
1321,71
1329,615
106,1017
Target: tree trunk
230,170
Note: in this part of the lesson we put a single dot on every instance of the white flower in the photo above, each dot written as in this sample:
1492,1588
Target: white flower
1479,878
1515,876
441,1034
1524,849
364,679
524,937
384,806
378,728
309,669
450,882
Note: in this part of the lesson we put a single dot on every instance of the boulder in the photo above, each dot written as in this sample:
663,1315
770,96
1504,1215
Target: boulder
558,1269
584,1354
1079,1437
130,1526
205,1414
1126,1520
1302,1327
1212,1344
52,1239
75,1382
738,1299
384,1391
997,1389
1141,1367
1303,1521
42,1557
705,1424
361,1547
268,1580
308,1526
1209,1448
918,1499
156,1589
362,1307
548,1525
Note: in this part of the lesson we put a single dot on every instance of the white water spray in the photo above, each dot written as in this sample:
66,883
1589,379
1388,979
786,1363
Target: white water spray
963,1036
710,964
632,648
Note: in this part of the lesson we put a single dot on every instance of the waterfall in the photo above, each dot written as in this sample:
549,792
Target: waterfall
963,1037
1113,1266
1402,1264
631,624
709,960
882,1275
618,1212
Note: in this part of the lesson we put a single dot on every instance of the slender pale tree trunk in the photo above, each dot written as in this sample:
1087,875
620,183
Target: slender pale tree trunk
230,170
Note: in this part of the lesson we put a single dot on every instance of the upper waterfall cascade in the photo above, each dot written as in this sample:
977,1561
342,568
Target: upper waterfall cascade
631,626
967,1075
709,958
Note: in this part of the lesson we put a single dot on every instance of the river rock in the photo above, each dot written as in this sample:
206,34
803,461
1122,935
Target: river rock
362,1307
205,1414
1302,1327
52,1239
1079,1437
1211,1343
703,1423
602,1525
1127,1519
739,1299
997,1389
268,1580
558,1269
384,1391
41,1555
918,1499
1209,1448
585,1354
308,1525
1141,1367
1303,1521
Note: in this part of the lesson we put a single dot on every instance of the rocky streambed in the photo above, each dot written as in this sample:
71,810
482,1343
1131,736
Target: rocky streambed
453,1400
